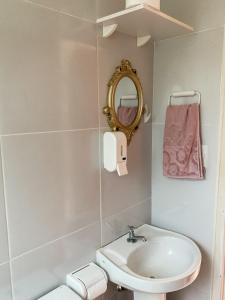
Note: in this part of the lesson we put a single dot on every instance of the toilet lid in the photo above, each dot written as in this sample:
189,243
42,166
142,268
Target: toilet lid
61,293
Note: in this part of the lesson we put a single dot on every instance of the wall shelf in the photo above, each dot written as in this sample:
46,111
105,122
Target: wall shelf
144,22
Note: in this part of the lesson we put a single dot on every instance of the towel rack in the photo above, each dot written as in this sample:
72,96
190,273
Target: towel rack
128,97
147,113
185,94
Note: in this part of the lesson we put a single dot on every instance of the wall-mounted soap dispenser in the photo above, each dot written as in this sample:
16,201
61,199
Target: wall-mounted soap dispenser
115,152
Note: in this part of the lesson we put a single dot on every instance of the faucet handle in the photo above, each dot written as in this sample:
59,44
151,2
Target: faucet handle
131,227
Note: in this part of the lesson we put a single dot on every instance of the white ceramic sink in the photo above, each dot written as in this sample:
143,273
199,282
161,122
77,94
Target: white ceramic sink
166,262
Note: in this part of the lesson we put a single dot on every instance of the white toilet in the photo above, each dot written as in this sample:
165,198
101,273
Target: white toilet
61,293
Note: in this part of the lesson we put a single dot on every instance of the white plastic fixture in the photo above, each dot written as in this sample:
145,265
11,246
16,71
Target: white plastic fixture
89,282
147,114
143,40
167,262
143,22
115,152
153,3
109,30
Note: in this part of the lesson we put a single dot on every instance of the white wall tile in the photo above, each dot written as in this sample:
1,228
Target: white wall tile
117,225
119,193
137,183
108,7
187,63
5,282
171,205
201,14
191,62
85,9
186,206
148,156
42,270
52,185
48,76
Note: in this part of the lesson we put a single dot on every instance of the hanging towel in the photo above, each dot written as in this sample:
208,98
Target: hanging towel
126,115
182,153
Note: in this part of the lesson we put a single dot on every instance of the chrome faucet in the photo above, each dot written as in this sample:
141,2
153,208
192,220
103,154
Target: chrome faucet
132,238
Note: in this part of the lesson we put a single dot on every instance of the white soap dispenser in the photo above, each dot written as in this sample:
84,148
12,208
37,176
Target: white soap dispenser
115,152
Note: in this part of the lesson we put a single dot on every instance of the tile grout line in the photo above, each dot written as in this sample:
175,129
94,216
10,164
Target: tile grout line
64,13
99,134
69,234
192,33
202,125
61,238
49,132
215,271
146,130
130,207
53,241
4,263
152,124
7,216
146,156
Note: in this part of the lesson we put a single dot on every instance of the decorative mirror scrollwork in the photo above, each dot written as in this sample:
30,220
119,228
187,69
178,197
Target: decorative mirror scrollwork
125,100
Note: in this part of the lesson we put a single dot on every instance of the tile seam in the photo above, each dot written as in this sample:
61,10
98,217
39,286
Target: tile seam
99,134
4,263
53,241
7,217
126,209
192,33
49,132
60,12
202,125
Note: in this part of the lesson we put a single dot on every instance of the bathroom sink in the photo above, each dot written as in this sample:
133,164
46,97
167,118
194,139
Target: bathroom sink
166,262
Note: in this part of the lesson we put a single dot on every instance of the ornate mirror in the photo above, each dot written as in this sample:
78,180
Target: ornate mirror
125,100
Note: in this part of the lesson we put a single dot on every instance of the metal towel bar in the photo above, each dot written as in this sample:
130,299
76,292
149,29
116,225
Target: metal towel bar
128,97
185,94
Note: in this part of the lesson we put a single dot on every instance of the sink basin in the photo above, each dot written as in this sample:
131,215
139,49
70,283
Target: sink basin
166,262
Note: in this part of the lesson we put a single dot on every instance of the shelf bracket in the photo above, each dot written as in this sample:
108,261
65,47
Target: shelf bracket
108,30
143,40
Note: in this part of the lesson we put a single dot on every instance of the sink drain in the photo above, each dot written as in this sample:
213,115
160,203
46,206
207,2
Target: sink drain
152,277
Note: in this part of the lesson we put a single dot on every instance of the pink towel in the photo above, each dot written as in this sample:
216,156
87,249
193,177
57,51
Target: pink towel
126,115
182,153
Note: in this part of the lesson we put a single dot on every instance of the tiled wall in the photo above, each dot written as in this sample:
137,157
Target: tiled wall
189,62
57,204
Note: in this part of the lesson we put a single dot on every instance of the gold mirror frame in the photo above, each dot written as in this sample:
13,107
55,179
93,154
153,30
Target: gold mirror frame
124,70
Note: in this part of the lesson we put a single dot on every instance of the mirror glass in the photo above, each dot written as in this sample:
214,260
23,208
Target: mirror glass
126,101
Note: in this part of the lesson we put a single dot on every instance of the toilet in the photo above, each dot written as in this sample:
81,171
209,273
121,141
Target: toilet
61,293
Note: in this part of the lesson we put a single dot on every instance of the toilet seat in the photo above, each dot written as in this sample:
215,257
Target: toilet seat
61,293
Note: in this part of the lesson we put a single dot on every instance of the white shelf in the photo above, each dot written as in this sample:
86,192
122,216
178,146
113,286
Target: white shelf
143,21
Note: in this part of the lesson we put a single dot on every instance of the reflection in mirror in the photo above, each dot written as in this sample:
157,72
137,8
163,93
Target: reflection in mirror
126,101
